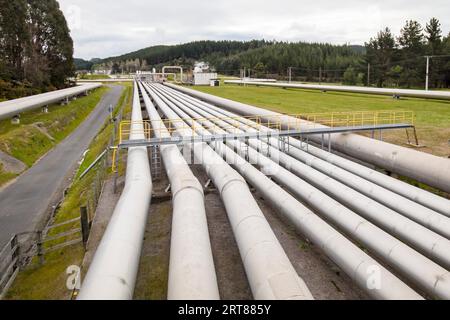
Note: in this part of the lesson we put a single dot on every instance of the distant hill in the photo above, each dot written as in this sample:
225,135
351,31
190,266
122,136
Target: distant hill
81,64
229,56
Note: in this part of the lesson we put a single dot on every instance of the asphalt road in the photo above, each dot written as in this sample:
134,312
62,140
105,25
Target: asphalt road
25,203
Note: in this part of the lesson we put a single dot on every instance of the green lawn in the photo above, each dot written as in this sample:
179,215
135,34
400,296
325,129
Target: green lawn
28,144
48,282
433,116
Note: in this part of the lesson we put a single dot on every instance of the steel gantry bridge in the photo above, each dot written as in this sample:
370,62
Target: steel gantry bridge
324,125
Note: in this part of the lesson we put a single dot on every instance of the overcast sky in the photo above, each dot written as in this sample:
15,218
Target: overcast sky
104,28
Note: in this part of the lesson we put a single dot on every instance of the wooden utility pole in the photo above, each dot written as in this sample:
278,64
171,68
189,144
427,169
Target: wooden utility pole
85,227
368,74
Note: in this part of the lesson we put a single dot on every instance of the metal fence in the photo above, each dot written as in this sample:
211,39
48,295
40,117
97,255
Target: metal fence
31,247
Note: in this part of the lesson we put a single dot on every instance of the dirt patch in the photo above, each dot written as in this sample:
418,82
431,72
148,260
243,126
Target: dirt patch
41,127
10,164
153,275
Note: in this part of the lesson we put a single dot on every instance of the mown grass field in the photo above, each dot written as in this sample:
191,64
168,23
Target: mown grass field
49,280
433,116
39,132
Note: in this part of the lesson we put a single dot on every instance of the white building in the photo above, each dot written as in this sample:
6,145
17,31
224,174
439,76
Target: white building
204,78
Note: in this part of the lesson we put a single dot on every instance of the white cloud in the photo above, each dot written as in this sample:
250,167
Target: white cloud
105,28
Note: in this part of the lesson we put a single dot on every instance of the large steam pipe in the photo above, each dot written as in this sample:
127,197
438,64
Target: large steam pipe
112,273
192,274
398,187
15,107
404,161
269,271
440,95
423,215
351,259
428,242
401,257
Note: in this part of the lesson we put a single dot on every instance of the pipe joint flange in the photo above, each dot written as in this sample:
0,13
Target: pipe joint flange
180,184
230,181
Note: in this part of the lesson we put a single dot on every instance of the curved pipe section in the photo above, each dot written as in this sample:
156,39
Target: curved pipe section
113,271
11,108
351,259
173,67
404,161
192,275
424,272
269,271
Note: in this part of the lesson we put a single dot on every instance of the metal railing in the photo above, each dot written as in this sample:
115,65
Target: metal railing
276,122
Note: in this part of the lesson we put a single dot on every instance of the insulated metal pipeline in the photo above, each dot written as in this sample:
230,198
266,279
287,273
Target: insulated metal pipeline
269,271
14,107
420,214
404,161
410,263
440,95
112,273
377,179
192,274
351,259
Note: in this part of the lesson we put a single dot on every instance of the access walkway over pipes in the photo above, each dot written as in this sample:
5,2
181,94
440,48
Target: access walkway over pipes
340,122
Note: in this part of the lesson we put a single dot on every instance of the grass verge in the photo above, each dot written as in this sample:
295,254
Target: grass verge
39,132
48,281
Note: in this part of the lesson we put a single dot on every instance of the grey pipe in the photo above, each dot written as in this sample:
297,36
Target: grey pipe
113,271
428,242
440,95
351,259
423,215
192,274
423,197
15,107
268,269
403,161
421,270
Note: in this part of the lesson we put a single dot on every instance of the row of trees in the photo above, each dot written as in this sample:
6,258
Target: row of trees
385,60
401,61
305,59
36,50
125,66
184,54
228,57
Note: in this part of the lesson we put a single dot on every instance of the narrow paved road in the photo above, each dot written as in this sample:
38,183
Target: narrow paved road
24,203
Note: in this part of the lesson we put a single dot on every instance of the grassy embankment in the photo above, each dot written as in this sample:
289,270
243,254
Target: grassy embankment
433,116
94,77
49,280
38,132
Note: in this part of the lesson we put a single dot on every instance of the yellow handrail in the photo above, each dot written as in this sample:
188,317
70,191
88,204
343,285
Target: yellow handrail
276,122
